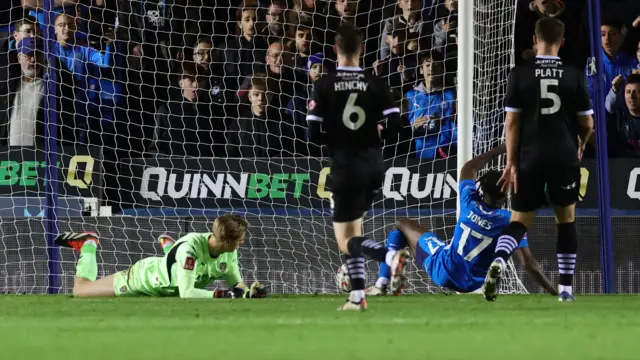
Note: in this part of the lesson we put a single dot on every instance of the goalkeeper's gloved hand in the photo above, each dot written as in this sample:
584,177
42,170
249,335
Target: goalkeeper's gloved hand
226,294
257,291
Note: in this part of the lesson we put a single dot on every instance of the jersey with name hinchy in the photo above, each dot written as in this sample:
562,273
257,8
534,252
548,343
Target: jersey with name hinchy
350,103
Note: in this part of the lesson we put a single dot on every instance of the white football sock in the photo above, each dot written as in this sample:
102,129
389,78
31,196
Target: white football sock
389,257
356,296
566,288
382,282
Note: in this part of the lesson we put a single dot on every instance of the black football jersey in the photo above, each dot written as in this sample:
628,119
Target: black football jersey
549,97
350,103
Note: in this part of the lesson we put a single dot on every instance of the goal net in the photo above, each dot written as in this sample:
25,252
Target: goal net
163,116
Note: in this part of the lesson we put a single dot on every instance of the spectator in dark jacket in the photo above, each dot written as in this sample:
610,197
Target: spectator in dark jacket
445,30
409,18
302,46
623,122
274,28
278,73
156,28
244,53
185,125
210,73
575,49
335,13
297,107
307,11
22,97
399,68
259,130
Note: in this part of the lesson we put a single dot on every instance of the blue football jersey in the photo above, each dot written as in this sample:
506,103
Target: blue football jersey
476,233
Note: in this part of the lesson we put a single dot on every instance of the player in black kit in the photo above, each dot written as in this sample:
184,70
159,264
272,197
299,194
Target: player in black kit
549,120
345,114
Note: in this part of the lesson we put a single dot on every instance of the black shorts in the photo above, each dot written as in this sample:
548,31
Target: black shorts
355,182
560,184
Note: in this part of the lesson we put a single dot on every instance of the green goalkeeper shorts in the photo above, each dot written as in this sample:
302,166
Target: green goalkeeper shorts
142,279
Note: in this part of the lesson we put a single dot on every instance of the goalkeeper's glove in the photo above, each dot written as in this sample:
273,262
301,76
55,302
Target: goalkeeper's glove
255,291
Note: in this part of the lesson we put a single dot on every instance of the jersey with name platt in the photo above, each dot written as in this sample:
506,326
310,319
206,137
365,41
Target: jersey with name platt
549,97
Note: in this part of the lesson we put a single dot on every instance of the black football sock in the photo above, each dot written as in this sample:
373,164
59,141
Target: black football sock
566,249
355,265
367,247
509,239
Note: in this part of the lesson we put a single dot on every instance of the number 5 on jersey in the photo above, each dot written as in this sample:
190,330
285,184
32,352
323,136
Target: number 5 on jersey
545,93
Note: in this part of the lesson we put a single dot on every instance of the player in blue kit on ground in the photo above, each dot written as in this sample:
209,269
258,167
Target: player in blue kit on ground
462,264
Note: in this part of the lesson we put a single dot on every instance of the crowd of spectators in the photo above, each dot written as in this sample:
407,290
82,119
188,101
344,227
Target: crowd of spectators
232,78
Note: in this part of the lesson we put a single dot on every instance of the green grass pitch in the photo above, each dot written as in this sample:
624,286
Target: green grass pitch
309,327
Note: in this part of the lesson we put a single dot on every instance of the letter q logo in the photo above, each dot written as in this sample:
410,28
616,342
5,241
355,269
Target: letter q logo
631,188
72,178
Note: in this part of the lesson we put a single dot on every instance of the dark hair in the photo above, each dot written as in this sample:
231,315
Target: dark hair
203,39
244,8
404,35
489,186
26,20
550,30
281,3
401,33
259,82
633,79
304,26
189,71
612,22
348,39
429,55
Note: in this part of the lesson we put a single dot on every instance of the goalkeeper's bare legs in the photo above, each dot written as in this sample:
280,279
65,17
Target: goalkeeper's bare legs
102,287
85,283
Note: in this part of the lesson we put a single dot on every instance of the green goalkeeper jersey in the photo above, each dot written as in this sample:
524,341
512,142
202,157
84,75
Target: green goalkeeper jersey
184,271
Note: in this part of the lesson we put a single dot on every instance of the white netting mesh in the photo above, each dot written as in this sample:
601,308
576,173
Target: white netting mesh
172,112
494,32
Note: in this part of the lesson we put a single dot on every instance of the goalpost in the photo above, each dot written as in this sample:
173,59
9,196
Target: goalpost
485,56
290,247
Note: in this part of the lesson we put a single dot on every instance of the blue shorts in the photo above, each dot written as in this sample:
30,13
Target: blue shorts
446,268
432,255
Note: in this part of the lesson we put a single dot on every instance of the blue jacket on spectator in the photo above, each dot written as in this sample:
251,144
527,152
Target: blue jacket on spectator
434,135
79,60
623,64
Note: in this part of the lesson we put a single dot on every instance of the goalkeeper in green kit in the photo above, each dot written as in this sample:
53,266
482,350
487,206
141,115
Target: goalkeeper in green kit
188,266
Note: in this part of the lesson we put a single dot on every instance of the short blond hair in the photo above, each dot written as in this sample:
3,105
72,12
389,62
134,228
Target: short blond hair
229,228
